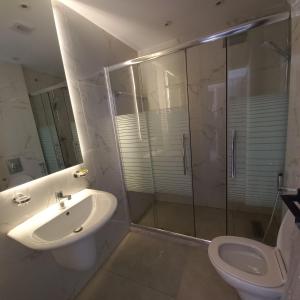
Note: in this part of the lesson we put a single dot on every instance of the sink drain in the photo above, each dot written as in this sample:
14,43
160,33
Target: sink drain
76,230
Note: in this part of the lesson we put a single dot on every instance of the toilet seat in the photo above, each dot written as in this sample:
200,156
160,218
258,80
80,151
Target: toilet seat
256,263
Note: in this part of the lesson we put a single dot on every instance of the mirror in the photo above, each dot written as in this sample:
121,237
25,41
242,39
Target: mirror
37,128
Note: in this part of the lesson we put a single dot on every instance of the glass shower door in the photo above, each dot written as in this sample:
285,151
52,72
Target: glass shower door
152,123
164,84
257,103
206,72
133,140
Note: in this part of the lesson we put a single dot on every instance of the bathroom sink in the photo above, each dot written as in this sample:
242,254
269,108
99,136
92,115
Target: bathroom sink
87,211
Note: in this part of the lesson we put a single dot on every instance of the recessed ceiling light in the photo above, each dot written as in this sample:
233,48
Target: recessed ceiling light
22,28
219,2
24,5
168,23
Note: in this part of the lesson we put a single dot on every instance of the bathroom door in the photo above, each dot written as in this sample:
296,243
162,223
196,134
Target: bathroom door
257,105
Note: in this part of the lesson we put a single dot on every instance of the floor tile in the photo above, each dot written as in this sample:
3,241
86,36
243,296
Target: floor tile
155,267
210,222
109,286
149,261
244,224
200,281
176,217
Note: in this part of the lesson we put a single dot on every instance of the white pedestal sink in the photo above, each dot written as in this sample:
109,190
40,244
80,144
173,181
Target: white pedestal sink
68,232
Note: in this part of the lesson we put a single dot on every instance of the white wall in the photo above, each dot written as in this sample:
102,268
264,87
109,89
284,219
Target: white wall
35,275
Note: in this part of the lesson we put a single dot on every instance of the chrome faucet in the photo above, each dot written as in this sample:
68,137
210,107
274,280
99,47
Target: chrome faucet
60,197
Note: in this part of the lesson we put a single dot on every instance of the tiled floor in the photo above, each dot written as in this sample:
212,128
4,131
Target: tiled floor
210,222
156,267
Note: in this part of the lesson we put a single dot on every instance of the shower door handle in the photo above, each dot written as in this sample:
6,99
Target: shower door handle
233,153
184,154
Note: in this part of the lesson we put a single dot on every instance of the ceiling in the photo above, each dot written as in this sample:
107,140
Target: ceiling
141,24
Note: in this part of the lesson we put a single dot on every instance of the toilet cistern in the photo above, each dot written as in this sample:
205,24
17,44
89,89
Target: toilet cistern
60,198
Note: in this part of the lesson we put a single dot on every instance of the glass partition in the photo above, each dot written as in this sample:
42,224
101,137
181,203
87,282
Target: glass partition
152,122
206,71
202,135
257,64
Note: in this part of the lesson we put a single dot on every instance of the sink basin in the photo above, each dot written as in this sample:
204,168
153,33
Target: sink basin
73,223
65,230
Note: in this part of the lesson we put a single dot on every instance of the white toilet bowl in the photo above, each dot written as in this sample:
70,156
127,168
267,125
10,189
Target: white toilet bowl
255,270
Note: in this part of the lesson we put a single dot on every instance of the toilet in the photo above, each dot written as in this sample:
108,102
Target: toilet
255,270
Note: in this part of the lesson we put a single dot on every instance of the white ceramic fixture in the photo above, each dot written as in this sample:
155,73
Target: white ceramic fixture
255,270
68,232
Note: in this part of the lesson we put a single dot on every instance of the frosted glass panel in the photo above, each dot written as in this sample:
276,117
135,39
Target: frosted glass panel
257,115
135,156
154,139
166,161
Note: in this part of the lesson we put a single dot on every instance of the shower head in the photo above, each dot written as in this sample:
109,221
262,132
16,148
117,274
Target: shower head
282,52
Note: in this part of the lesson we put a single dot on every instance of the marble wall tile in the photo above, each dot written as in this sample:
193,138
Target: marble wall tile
85,49
84,71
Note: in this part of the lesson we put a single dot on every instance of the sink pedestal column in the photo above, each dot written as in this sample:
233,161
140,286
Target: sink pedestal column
79,256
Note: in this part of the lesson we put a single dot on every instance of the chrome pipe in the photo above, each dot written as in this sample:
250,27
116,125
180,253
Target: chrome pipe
184,155
267,20
233,153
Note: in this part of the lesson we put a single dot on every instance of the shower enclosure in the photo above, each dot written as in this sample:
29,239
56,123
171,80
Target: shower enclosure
202,130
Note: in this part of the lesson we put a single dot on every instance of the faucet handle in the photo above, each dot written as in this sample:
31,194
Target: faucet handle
58,194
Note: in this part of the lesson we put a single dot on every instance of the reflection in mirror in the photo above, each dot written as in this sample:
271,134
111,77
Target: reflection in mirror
37,128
